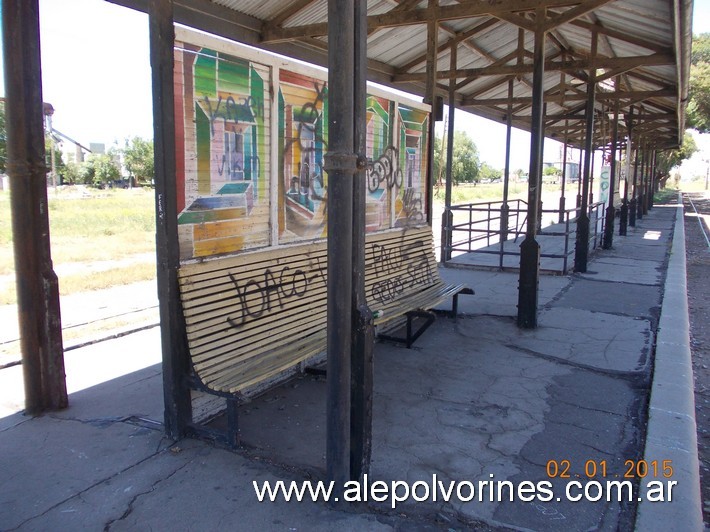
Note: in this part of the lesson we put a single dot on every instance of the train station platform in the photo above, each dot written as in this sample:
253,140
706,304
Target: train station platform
601,391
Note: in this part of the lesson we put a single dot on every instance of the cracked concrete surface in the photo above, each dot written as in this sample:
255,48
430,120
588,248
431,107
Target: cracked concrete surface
475,400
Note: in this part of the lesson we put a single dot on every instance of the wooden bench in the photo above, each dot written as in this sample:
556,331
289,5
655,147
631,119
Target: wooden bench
251,317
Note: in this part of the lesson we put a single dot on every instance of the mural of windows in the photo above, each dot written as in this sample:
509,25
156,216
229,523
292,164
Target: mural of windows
410,205
303,127
251,137
223,112
382,163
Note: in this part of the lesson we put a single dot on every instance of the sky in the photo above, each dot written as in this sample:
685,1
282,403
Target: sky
96,74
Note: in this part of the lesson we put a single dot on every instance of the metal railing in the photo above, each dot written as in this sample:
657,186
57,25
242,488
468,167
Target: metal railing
481,228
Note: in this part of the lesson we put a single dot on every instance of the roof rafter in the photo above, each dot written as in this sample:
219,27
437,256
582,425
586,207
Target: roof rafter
465,9
550,66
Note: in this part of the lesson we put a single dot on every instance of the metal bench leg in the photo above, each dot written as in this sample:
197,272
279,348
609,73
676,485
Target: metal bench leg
232,423
411,337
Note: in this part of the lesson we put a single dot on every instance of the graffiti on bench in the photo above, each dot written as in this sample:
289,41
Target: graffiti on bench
401,267
272,290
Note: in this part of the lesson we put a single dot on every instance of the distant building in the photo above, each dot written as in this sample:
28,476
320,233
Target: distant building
572,172
97,147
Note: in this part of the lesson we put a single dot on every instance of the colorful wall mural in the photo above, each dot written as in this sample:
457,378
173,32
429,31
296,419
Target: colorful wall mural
224,114
303,141
247,179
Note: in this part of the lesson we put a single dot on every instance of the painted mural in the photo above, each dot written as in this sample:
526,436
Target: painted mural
223,111
411,208
251,138
303,132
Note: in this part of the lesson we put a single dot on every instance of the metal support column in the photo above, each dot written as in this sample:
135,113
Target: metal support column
541,183
430,95
172,327
530,249
640,195
646,178
38,310
505,208
634,189
564,177
579,178
611,210
581,250
654,182
447,219
363,333
341,165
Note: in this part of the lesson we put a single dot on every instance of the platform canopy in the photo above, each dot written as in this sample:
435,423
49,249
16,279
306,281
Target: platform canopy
642,59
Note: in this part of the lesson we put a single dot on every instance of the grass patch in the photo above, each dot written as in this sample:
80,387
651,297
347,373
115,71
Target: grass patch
487,192
666,195
89,225
82,282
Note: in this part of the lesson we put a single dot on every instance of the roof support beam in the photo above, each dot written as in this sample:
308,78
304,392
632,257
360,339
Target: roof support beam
530,248
581,248
574,13
465,9
550,66
634,96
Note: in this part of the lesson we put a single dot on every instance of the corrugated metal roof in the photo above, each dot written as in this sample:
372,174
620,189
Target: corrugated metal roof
643,41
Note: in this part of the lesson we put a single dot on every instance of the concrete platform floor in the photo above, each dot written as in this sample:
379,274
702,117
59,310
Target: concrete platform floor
476,399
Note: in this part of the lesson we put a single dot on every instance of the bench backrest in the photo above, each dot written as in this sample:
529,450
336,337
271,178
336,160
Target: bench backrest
251,316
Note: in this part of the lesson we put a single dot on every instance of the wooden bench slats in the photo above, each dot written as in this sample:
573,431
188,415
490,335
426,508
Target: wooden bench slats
243,375
192,274
256,343
212,318
213,369
279,319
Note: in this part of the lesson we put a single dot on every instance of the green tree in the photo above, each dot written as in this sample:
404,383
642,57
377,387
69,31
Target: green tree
138,158
59,165
104,169
72,173
488,172
699,104
701,49
669,159
465,166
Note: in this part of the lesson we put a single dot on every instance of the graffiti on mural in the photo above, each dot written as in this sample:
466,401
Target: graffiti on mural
384,169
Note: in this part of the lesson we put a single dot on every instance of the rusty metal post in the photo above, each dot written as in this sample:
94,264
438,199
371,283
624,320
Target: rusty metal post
624,211
611,210
173,336
341,165
578,203
653,185
564,177
647,188
640,195
430,95
634,189
363,332
37,285
447,219
581,249
505,208
530,249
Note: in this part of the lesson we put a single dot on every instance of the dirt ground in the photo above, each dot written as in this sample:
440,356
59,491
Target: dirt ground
698,271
